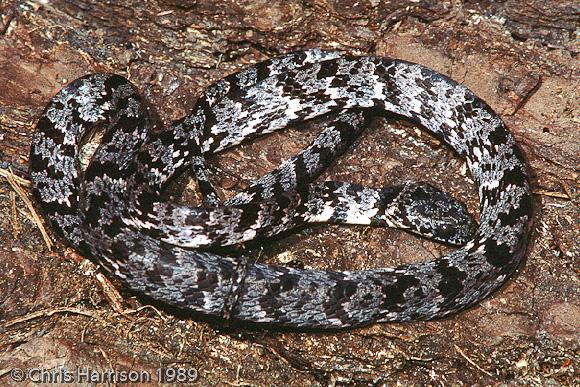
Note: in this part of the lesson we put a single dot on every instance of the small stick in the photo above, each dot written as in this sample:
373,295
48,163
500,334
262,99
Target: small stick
15,219
14,182
553,194
111,294
23,182
48,313
471,361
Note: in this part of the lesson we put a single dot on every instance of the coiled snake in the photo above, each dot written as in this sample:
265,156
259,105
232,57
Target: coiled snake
114,212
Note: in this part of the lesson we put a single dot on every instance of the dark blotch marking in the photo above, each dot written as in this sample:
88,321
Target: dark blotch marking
498,255
524,209
394,293
390,193
284,284
327,69
451,283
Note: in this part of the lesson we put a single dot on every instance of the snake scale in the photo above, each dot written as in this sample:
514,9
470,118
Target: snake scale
113,209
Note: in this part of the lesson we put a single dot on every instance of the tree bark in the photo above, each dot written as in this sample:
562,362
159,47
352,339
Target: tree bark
520,56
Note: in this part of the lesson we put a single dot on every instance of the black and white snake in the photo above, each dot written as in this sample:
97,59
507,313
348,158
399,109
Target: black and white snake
113,210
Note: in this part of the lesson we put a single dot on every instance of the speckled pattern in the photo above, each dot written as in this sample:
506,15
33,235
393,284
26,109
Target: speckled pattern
113,211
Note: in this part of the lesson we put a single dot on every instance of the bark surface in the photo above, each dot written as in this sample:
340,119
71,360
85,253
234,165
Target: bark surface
56,309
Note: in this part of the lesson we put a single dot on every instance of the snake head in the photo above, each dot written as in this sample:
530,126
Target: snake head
427,211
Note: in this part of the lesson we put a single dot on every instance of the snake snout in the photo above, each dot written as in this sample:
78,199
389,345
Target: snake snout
434,214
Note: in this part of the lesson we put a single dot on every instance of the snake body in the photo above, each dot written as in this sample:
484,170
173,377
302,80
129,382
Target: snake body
114,211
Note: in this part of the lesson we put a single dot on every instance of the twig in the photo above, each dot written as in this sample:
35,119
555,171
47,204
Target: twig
132,311
239,383
111,294
48,313
23,182
566,189
116,300
13,180
14,212
553,194
84,331
471,361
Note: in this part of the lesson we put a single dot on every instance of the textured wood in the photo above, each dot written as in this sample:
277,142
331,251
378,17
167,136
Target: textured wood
519,56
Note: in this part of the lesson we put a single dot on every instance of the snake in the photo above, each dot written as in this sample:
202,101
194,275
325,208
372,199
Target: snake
112,205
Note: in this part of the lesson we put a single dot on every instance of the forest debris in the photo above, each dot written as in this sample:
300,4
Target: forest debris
111,294
14,182
553,194
471,361
14,214
48,313
23,182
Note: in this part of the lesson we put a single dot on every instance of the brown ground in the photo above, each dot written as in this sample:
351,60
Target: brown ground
520,56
